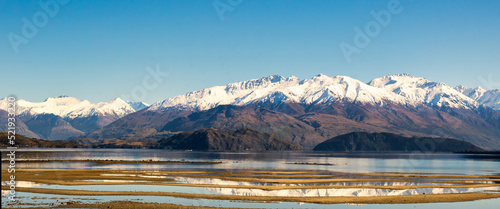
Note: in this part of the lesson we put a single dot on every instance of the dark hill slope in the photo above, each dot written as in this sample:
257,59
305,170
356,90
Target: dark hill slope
26,142
224,140
374,142
229,117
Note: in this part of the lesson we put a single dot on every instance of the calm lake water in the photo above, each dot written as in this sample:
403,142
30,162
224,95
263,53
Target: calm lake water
342,162
345,162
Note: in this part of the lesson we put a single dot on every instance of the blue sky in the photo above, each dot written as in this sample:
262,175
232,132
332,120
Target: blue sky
99,50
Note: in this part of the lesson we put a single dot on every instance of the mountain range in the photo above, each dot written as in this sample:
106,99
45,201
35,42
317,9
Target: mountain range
303,111
63,117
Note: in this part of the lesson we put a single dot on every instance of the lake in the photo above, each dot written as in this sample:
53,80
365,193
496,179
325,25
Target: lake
342,164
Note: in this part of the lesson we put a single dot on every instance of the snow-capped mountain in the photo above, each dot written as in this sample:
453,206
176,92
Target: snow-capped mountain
63,116
490,98
307,111
423,90
321,89
70,107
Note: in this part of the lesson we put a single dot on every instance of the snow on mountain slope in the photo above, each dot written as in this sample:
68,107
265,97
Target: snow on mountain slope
490,98
318,90
423,90
70,107
138,105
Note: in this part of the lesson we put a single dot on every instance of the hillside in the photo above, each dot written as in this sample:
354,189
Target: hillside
26,142
63,117
380,142
220,140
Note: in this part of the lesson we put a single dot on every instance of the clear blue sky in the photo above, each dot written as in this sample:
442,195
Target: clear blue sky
99,50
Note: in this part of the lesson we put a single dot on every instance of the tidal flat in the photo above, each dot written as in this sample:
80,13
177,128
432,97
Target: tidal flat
276,185
160,179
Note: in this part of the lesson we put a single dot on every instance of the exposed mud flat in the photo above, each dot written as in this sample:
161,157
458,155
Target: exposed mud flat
284,185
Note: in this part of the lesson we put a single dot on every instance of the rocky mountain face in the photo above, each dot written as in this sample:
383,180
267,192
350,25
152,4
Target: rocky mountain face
220,140
377,142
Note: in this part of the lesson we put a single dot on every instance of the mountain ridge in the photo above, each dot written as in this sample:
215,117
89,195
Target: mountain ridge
63,117
320,107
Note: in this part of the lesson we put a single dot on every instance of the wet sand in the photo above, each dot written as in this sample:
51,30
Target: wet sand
128,205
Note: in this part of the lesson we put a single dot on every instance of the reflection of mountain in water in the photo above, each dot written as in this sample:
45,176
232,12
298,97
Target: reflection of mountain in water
214,181
18,184
337,192
329,192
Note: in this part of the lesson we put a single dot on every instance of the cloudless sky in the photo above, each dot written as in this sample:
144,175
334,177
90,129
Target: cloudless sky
99,50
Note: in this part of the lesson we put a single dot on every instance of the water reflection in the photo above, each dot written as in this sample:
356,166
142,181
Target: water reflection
348,162
355,192
49,200
215,181
329,192
18,184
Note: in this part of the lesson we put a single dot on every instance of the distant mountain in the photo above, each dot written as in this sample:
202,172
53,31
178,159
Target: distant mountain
489,98
21,127
424,91
52,127
70,107
276,89
382,142
220,140
64,117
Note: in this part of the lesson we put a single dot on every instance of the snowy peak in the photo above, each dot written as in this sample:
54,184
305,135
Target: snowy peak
238,93
461,89
70,107
62,100
473,93
318,90
423,90
138,105
402,89
490,98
